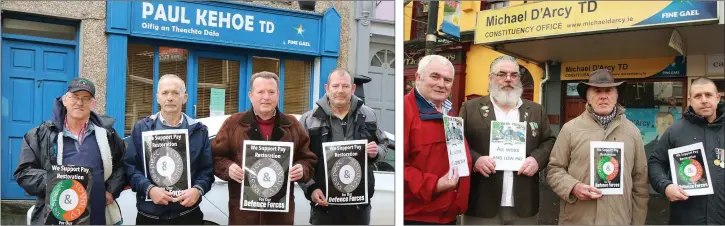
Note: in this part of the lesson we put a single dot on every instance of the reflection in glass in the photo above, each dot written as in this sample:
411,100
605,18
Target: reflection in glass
139,84
223,77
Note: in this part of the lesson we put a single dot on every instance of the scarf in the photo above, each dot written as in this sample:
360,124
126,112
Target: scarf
602,120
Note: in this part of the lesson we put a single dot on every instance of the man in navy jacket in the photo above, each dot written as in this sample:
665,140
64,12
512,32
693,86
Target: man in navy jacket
164,207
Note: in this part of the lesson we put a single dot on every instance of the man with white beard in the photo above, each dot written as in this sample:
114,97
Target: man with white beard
492,193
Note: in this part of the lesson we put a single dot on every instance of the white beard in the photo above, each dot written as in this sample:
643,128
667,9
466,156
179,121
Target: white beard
506,98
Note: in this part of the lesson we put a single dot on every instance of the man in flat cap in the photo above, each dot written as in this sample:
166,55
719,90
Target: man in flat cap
74,136
569,170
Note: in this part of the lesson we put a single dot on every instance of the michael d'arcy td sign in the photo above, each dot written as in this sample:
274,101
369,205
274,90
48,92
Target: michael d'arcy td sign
209,22
568,17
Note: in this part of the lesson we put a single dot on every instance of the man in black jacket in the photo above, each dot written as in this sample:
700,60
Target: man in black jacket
703,122
88,139
340,116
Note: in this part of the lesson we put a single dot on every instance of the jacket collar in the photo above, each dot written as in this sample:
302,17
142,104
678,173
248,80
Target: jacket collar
426,109
249,119
193,123
324,110
691,116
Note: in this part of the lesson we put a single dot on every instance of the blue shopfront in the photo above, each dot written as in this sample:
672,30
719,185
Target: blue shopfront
215,47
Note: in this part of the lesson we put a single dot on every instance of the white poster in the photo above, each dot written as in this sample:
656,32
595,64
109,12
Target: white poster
166,159
457,157
508,144
607,167
346,170
266,175
690,170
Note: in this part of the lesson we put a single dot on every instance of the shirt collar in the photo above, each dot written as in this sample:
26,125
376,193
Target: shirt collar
257,115
163,121
446,106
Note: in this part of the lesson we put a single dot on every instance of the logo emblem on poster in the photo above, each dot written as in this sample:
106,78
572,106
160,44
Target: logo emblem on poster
346,174
166,166
268,179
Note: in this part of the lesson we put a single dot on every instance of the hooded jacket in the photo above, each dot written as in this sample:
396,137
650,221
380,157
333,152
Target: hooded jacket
202,168
706,209
37,155
363,125
569,164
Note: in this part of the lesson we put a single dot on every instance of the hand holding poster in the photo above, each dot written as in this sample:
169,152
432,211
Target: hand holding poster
166,159
508,144
690,170
457,157
67,195
346,169
266,175
607,167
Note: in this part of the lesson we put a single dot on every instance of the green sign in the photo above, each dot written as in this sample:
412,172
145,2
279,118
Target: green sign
216,104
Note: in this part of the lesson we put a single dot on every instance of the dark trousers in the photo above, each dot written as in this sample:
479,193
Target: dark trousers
340,215
407,222
195,217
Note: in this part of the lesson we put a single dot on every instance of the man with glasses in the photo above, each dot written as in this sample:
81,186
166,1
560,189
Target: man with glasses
74,136
163,207
492,193
340,116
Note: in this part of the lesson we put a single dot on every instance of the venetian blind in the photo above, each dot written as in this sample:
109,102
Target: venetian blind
139,84
296,86
220,74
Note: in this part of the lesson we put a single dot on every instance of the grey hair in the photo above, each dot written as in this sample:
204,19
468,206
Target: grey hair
423,64
504,58
173,76
265,75
341,71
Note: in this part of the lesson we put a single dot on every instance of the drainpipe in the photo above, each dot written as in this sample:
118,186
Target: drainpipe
546,78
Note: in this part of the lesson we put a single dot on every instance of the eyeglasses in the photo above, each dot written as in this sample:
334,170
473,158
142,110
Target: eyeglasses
76,99
503,75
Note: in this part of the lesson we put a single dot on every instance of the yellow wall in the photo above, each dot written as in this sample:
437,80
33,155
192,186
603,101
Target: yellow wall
478,63
468,15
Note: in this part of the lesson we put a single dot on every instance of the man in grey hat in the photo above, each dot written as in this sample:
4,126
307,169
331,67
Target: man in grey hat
569,164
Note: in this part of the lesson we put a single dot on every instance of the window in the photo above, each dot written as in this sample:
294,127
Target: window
139,84
418,23
487,5
217,75
297,86
383,58
38,29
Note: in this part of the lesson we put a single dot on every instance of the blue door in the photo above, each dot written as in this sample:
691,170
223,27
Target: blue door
33,75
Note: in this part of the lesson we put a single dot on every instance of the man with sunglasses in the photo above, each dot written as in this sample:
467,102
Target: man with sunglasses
492,193
88,140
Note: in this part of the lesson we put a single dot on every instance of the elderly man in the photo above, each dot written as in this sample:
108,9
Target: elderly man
432,195
163,207
264,122
79,137
703,122
569,164
492,193
340,116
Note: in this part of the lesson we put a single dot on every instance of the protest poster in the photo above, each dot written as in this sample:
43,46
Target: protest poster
346,169
457,157
166,159
266,175
689,168
508,144
607,167
68,193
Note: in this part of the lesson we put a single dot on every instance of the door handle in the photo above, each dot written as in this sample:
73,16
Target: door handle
40,81
194,110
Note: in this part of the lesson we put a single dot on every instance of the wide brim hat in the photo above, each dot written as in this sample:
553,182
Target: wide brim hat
602,78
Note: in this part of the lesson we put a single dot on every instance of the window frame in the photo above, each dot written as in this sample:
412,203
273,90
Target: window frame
244,56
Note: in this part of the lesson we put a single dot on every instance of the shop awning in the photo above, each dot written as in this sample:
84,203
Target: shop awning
699,40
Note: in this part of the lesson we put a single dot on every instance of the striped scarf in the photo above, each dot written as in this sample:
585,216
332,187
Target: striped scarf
602,120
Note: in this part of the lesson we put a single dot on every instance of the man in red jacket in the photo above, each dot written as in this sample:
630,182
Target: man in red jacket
432,194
